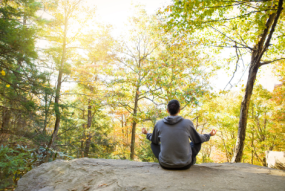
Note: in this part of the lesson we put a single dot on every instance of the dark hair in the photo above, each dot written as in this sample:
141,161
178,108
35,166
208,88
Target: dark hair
173,107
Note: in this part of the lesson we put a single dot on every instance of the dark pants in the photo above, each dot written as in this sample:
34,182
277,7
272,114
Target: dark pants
195,150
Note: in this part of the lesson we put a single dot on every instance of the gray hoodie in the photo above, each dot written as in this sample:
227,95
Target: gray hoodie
174,132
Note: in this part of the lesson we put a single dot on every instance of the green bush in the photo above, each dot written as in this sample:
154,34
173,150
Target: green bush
14,163
17,161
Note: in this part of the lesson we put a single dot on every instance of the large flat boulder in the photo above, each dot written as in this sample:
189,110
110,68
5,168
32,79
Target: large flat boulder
106,174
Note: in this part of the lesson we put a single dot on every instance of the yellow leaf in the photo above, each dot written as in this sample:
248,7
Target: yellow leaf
3,73
8,85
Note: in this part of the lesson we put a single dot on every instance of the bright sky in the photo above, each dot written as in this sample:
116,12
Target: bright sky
116,13
267,78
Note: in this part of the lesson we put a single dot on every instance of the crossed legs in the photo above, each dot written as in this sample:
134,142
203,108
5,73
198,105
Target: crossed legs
195,150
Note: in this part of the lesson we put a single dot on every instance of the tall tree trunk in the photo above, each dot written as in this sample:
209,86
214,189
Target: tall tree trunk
46,114
227,154
257,54
252,139
134,125
83,137
122,124
128,135
243,114
88,140
6,116
58,87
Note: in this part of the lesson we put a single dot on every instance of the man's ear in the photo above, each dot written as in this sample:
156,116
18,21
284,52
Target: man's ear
167,111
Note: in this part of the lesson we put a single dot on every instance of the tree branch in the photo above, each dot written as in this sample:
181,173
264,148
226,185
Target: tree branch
268,62
280,8
230,38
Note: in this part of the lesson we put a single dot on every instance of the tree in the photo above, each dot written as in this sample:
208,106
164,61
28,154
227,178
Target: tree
219,112
261,132
63,39
21,80
278,100
155,68
248,26
131,68
264,132
182,72
121,132
86,72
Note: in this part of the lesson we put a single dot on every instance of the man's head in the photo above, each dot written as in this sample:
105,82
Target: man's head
173,107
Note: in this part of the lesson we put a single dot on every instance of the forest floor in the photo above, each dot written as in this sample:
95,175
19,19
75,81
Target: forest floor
107,174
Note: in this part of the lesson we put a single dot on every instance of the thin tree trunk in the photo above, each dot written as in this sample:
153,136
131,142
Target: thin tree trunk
252,139
47,107
123,133
134,125
128,135
19,121
227,154
6,116
58,87
88,140
257,54
252,134
83,137
46,114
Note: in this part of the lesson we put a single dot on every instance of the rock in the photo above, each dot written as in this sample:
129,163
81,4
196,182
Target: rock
106,174
273,157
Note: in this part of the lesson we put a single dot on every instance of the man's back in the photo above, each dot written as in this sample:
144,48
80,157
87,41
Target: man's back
174,132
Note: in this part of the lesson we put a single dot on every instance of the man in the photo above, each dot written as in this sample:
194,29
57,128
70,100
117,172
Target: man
173,132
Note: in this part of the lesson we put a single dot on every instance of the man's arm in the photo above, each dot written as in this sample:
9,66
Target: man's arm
200,138
153,137
206,137
149,136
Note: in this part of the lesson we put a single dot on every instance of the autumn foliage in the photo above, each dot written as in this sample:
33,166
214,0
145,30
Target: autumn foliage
73,87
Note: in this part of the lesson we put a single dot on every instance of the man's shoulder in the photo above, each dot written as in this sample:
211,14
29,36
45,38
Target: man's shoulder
159,122
188,121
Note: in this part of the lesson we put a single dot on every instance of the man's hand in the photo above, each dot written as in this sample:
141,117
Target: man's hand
213,132
144,131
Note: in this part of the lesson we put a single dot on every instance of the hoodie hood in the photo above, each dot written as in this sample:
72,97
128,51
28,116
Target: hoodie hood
172,119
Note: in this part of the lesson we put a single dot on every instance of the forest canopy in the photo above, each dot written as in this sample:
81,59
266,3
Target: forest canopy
74,86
